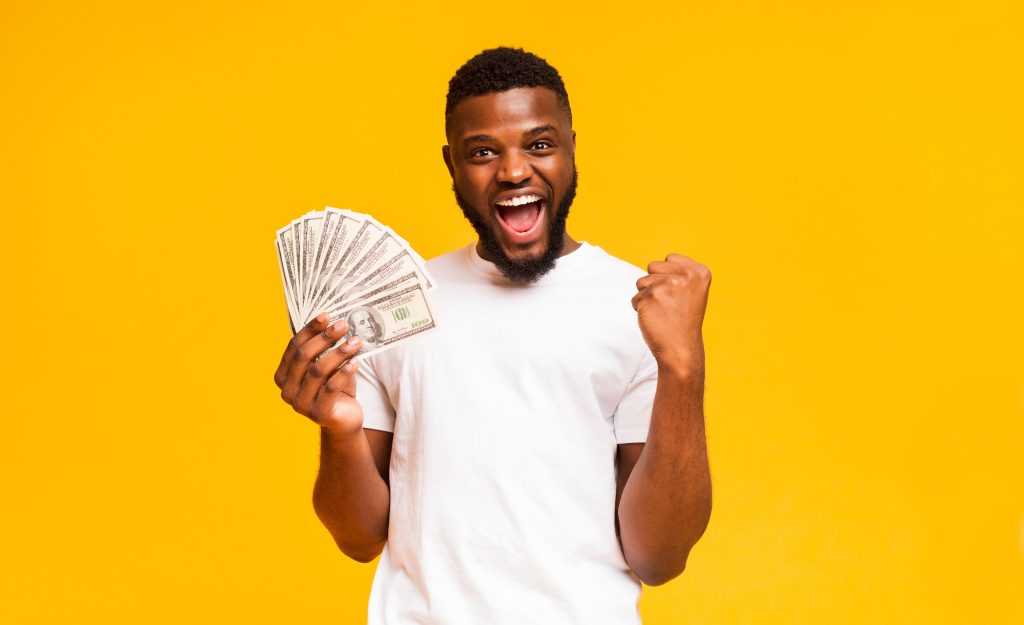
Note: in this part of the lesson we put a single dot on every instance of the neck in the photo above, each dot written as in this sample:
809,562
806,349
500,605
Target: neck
570,245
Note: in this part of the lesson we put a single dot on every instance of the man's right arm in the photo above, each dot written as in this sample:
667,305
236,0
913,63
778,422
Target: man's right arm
351,496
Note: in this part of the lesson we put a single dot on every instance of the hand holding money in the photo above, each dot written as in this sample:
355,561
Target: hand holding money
319,381
355,287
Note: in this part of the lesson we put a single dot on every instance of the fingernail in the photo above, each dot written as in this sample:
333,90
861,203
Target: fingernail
322,317
353,341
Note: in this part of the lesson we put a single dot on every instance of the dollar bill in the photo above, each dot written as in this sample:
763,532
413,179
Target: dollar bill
384,321
292,312
310,227
286,244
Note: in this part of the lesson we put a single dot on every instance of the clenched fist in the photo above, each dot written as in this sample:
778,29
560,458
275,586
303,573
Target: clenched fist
670,304
319,381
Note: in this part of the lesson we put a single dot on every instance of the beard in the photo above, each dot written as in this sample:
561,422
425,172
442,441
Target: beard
527,270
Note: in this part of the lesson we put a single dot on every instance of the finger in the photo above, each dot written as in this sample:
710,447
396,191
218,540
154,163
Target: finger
650,280
321,369
343,380
679,259
305,354
663,266
647,281
639,297
303,335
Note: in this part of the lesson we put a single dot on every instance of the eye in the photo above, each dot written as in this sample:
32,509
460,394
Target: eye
479,152
541,145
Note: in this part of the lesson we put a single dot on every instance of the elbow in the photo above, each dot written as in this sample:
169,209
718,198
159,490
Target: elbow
360,545
658,573
362,553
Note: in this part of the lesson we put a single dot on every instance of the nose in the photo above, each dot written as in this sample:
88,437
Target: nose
515,167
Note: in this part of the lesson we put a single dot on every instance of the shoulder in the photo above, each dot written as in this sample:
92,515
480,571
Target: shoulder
614,268
455,261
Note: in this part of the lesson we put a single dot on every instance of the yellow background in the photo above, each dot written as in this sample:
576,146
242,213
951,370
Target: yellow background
851,172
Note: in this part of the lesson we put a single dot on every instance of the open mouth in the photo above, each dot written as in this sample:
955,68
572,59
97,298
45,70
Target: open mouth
521,216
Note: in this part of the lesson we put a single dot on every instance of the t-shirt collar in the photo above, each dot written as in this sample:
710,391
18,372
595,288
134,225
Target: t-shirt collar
564,264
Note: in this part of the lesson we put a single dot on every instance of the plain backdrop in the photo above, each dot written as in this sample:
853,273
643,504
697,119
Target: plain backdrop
851,173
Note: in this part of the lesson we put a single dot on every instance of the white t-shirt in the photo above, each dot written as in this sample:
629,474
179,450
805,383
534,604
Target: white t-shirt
506,421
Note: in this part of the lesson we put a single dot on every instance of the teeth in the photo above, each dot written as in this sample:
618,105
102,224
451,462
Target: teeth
519,201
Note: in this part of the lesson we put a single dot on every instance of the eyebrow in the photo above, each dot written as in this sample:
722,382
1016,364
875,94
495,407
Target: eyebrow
539,130
533,132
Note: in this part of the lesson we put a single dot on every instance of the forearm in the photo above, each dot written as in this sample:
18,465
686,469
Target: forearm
350,497
666,503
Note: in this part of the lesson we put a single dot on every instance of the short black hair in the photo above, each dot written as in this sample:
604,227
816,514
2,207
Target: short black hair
500,69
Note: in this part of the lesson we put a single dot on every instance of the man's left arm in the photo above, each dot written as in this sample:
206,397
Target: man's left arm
665,484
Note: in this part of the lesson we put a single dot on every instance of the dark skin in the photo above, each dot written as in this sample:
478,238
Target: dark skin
515,142
521,141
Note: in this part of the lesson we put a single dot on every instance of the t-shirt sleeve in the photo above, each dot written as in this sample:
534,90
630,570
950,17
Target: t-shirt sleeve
378,413
633,415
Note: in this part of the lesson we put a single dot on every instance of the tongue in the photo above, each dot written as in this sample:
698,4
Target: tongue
521,218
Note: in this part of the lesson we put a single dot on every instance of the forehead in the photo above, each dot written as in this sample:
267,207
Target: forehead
511,111
360,315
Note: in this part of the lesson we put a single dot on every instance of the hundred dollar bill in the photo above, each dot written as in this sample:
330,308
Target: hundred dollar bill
336,280
385,321
296,239
292,313
310,226
326,243
286,244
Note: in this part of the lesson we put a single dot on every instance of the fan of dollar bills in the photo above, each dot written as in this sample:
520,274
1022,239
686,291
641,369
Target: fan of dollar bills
352,267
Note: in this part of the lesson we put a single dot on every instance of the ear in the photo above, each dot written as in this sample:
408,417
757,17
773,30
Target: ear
574,142
446,153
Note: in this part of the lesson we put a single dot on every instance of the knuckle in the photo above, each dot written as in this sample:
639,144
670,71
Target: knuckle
288,396
315,370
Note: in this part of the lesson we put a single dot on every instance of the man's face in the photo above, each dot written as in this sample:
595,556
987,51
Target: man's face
511,158
362,324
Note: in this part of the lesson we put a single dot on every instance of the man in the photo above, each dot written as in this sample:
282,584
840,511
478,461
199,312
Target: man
543,452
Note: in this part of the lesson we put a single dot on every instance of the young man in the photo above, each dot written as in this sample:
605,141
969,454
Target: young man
543,452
